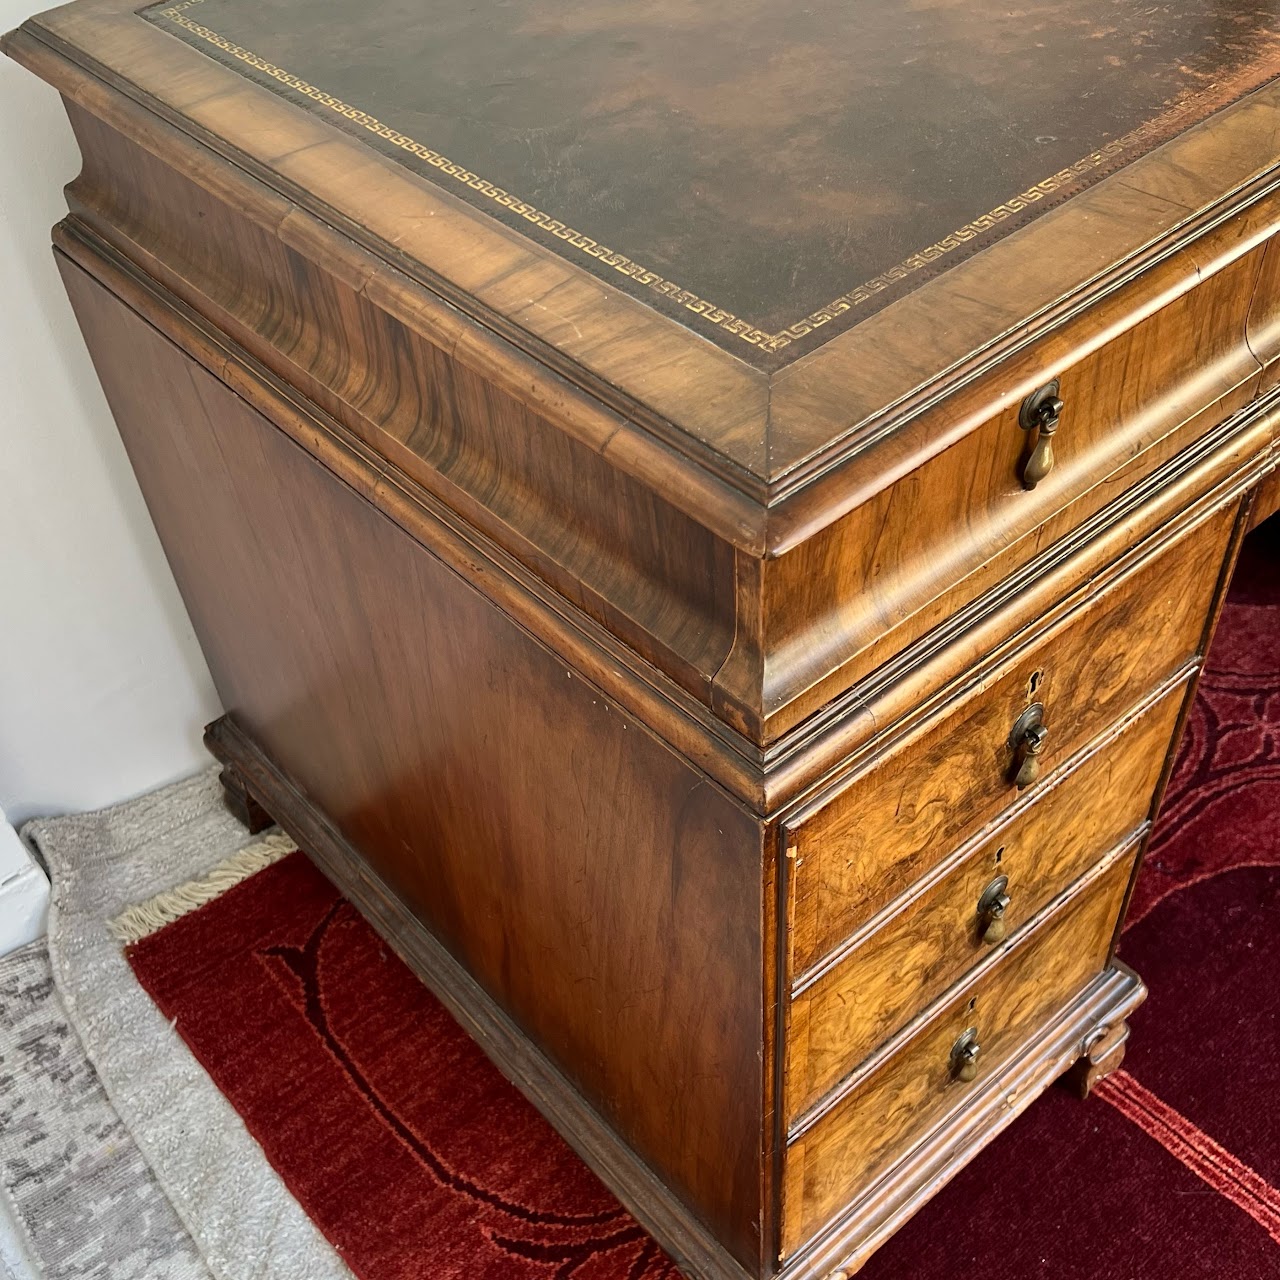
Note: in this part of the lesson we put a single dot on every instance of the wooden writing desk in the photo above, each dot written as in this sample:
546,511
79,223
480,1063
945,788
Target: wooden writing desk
705,519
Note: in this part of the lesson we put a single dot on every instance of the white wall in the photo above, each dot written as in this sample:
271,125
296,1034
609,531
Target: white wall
103,690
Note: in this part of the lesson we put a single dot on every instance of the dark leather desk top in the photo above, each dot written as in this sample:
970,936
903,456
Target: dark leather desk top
774,161
769,238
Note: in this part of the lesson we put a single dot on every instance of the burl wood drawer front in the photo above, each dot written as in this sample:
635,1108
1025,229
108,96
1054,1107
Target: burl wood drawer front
839,1150
923,943
933,789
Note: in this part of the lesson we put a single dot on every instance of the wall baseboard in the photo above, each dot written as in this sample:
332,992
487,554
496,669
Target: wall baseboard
24,892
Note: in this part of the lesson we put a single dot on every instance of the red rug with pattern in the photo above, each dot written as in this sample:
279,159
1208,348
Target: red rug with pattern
417,1159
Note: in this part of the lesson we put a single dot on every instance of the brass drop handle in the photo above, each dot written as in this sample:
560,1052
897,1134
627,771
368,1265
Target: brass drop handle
964,1057
1030,747
1029,738
1041,412
992,906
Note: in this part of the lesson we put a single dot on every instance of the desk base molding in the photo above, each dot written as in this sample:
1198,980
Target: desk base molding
689,1244
1098,1017
1082,1046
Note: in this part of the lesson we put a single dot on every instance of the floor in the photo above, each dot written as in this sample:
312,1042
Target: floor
24,901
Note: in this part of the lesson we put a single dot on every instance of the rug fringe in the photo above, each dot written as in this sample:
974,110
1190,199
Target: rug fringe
144,918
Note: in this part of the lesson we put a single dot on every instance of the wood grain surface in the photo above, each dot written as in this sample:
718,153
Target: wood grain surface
932,937
836,1152
767,435
922,798
661,565
762,610
594,885
693,1248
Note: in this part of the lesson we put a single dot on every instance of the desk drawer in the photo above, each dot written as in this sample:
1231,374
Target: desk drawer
1141,378
835,1154
936,786
920,945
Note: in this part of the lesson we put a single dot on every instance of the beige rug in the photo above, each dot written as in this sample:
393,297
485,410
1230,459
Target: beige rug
243,1222
75,1182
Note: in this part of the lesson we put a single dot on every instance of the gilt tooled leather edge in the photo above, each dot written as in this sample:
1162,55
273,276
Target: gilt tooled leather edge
883,288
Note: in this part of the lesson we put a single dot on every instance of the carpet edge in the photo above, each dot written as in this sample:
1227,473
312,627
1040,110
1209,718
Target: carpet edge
147,917
242,1219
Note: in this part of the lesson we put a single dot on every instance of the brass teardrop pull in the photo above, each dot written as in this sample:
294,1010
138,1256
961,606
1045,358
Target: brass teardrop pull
1030,748
992,907
964,1057
1028,740
1041,412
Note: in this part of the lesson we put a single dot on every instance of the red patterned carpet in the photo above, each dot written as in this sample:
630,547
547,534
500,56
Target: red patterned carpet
417,1160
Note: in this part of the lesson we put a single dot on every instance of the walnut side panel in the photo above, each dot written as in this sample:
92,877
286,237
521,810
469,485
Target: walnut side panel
589,879
694,1250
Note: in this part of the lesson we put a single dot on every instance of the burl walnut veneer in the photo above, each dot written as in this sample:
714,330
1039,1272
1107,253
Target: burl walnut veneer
705,519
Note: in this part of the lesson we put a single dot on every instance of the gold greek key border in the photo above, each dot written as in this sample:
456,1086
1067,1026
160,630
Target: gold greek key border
765,341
